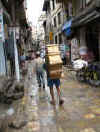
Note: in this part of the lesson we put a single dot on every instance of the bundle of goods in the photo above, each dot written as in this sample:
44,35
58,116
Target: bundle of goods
53,49
54,62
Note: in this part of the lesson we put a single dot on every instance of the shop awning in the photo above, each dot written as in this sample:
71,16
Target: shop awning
67,27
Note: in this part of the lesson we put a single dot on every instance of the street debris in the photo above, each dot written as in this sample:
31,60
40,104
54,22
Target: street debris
18,125
10,90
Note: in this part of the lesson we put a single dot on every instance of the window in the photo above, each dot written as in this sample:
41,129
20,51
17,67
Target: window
55,24
84,3
60,38
70,9
56,39
53,4
59,18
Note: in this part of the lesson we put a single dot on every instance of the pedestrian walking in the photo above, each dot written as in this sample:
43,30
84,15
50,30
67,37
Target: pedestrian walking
57,83
39,62
51,82
22,58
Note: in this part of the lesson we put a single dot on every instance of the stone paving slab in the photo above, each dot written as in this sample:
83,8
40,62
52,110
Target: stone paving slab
80,112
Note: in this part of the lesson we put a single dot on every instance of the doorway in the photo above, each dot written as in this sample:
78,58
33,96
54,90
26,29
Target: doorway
92,40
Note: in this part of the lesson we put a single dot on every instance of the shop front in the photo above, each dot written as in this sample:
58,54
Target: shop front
87,25
67,32
92,41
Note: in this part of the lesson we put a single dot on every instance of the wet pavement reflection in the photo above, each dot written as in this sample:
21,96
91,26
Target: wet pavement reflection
80,112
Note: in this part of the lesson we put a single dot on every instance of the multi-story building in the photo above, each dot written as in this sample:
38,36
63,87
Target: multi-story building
54,21
84,26
41,33
86,21
38,34
12,20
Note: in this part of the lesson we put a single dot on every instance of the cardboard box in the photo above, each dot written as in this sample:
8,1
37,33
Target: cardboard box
54,61
55,74
52,49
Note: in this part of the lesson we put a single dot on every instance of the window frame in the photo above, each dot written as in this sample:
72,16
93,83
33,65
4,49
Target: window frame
55,22
53,4
56,41
60,38
84,3
59,18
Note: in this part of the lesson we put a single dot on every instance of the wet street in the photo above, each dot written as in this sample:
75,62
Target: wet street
80,112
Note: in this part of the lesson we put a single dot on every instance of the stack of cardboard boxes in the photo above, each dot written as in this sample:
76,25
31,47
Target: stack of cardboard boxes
54,62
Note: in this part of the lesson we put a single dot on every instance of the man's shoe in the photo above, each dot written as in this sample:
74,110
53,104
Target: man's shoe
39,85
43,86
61,102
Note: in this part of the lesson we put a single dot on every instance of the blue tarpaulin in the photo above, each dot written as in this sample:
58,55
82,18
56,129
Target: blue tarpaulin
67,28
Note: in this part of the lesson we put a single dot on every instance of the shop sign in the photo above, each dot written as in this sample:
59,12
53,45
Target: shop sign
17,32
67,47
1,26
51,36
6,31
83,50
74,49
11,29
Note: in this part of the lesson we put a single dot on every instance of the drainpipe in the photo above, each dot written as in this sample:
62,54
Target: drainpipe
15,46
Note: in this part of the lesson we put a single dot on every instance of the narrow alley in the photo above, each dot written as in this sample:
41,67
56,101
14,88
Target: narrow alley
55,37
79,113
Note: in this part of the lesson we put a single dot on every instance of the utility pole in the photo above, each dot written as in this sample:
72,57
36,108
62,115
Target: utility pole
15,46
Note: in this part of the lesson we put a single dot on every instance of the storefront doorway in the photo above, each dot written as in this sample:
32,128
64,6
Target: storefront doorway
92,41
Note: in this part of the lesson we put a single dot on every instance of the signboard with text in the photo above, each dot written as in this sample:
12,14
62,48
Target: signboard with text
1,26
51,36
17,29
74,49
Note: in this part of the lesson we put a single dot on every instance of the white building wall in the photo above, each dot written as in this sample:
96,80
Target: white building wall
54,13
50,21
2,56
